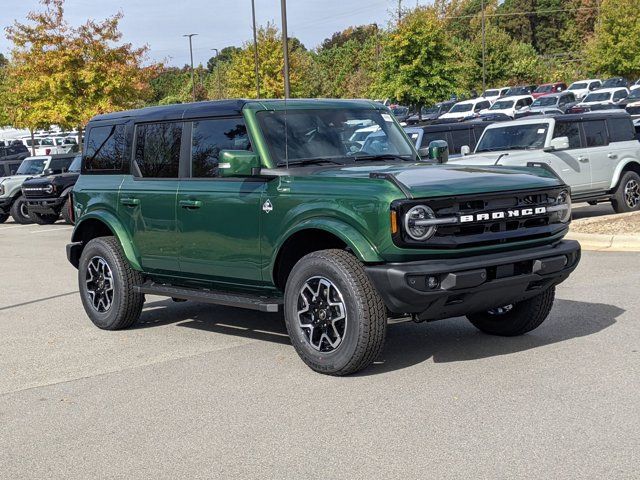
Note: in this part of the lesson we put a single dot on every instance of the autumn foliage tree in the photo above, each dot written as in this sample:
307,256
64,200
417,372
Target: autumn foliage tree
61,74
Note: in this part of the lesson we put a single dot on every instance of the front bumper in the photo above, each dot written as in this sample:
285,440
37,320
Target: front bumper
45,205
467,285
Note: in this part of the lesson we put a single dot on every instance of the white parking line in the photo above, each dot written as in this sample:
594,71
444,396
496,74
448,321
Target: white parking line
61,229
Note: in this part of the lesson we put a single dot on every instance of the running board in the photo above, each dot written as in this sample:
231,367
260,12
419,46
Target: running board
251,302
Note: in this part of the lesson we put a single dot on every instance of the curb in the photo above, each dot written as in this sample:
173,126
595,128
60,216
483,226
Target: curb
609,243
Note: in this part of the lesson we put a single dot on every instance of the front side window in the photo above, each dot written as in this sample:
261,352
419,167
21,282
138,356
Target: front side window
516,137
619,95
460,138
595,133
157,151
571,130
502,105
105,147
209,137
60,164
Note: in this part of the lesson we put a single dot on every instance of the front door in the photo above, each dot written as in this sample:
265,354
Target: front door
572,164
219,218
147,200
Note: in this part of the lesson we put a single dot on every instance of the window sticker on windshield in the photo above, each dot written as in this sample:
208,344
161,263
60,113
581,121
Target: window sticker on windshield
386,117
541,130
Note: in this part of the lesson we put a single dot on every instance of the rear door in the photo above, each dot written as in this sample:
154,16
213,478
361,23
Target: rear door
597,143
572,164
147,200
622,145
218,218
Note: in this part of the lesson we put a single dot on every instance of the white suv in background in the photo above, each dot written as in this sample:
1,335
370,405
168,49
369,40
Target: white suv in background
596,154
494,94
582,88
466,109
510,105
604,96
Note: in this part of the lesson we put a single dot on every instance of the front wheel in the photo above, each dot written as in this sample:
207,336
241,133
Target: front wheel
20,212
335,318
627,195
517,318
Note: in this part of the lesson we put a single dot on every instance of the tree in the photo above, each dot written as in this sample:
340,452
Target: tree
241,77
225,55
613,49
417,67
66,75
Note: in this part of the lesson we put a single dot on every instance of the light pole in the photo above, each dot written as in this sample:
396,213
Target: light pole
218,72
484,68
255,47
193,83
285,47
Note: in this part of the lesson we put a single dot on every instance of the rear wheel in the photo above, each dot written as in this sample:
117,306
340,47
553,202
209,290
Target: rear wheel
627,196
20,212
107,282
515,319
335,318
66,212
43,218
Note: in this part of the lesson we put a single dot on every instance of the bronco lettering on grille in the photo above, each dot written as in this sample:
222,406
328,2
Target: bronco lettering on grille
503,214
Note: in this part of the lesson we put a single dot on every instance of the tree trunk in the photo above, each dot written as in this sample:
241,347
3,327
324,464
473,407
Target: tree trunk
419,112
80,139
33,143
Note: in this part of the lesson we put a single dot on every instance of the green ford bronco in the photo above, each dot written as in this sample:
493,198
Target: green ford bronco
273,206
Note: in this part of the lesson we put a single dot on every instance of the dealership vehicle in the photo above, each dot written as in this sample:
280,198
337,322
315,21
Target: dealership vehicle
520,90
456,135
494,94
401,113
596,154
547,88
466,109
582,88
431,113
49,196
615,82
11,157
509,106
635,86
632,103
262,205
603,98
12,202
561,101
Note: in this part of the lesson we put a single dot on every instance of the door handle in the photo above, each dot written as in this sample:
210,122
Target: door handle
130,202
583,159
190,204
612,156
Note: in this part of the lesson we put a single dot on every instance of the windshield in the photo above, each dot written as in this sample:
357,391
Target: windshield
502,105
76,165
515,137
613,82
544,88
297,136
399,111
545,102
491,93
634,95
518,91
461,107
598,97
578,86
31,167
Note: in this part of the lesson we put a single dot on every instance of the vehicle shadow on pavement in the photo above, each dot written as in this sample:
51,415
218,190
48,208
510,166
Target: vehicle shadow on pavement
457,340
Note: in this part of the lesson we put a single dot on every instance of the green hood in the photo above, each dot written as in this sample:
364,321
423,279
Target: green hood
428,180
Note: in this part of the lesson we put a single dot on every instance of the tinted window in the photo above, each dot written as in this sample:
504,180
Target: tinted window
158,149
621,129
460,138
60,164
570,130
211,136
429,137
619,95
105,148
595,133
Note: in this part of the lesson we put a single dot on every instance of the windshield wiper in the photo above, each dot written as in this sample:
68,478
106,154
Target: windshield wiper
310,161
382,156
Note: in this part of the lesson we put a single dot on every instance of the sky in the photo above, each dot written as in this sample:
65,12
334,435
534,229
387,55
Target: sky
218,23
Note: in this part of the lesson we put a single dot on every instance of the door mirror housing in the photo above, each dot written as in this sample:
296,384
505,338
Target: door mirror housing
465,150
558,143
439,151
238,163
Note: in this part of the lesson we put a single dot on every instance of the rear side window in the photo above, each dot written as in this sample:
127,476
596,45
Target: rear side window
460,138
595,133
621,129
209,137
570,130
429,137
157,150
105,149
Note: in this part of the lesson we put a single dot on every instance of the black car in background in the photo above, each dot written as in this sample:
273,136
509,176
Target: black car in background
615,82
456,135
632,103
521,90
11,157
48,197
400,112
429,114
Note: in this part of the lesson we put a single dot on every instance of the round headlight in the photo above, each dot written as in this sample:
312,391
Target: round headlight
564,201
48,189
412,222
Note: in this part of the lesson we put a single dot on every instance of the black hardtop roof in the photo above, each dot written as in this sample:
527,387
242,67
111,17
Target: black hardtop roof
594,115
449,126
556,94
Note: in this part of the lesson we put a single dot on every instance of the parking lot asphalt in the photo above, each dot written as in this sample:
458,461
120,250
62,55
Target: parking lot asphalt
199,391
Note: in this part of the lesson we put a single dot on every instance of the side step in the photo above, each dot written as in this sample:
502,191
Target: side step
251,302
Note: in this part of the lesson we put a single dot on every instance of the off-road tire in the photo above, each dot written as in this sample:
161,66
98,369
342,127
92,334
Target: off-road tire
366,321
619,202
43,218
19,211
522,318
64,212
3,217
127,304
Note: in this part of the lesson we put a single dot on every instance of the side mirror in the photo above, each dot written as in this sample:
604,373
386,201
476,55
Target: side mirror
238,163
558,143
49,171
439,151
423,152
465,150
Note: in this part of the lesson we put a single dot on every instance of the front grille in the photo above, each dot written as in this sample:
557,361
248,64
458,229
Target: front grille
487,232
36,192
